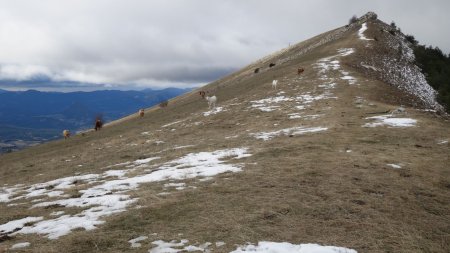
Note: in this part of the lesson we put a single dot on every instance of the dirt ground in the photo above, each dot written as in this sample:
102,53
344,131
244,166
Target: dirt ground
331,187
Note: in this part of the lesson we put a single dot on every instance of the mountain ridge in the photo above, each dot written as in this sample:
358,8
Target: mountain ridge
332,156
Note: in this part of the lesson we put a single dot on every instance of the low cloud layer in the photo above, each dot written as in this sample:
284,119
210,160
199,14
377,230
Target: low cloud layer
139,44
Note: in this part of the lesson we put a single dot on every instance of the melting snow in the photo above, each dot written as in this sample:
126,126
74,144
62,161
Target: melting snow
173,123
395,166
146,160
173,246
108,197
135,242
181,147
288,131
178,186
299,116
351,79
394,122
220,244
20,245
307,98
346,51
58,213
17,224
327,86
361,32
369,67
329,63
284,247
271,100
262,247
213,111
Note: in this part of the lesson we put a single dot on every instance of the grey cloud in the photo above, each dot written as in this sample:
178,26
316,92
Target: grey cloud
179,43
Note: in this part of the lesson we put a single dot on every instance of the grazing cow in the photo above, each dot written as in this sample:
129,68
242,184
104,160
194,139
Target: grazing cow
274,84
66,134
202,93
256,70
300,70
271,65
98,124
141,113
211,101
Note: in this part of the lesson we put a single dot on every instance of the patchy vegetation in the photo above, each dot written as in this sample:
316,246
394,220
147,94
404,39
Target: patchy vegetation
436,67
333,159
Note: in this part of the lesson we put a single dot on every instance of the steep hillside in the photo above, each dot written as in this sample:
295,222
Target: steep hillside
350,153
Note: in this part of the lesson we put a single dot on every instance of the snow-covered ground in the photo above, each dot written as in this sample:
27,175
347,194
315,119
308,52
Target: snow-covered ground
287,131
388,120
20,245
395,166
262,247
331,63
106,194
135,242
213,111
284,247
361,32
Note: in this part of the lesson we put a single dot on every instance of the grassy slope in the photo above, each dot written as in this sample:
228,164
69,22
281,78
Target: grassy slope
301,189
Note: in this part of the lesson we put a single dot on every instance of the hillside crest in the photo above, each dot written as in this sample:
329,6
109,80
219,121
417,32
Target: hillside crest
333,141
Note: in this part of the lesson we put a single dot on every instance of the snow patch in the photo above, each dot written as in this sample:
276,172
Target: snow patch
393,122
135,242
173,123
350,79
369,67
284,247
395,166
213,111
288,131
108,197
173,247
20,245
17,224
361,32
178,186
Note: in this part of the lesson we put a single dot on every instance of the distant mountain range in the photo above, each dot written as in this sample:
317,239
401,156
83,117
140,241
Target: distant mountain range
29,117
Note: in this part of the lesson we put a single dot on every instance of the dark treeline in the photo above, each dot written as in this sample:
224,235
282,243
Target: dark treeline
436,67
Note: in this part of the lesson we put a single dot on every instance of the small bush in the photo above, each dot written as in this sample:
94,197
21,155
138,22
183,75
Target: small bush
411,39
393,25
353,19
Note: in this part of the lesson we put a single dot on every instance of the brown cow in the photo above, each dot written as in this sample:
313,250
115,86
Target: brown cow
202,93
66,134
141,113
300,70
98,124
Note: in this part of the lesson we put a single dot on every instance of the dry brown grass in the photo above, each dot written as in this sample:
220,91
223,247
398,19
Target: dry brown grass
300,189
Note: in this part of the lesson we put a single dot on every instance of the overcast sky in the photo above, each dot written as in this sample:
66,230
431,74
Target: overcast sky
135,44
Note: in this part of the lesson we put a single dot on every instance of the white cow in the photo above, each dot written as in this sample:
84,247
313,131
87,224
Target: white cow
211,101
274,84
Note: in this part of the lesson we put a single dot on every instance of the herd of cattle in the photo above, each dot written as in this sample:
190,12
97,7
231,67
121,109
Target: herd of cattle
212,100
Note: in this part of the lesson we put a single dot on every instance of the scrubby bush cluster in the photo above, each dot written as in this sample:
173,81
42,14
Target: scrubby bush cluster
436,67
353,19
